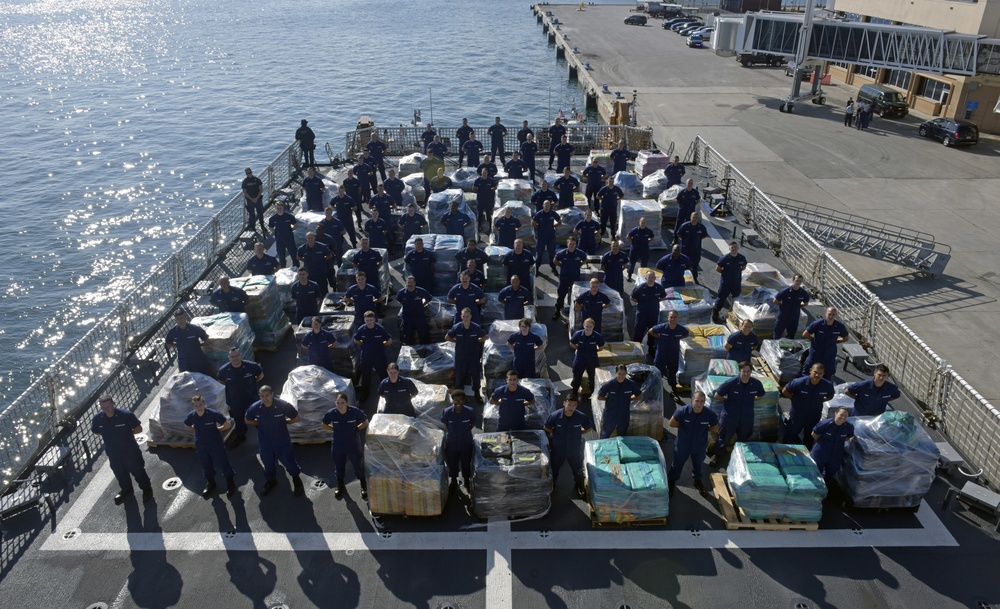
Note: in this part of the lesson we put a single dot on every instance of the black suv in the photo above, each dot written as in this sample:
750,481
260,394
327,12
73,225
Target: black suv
951,131
887,102
635,20
764,59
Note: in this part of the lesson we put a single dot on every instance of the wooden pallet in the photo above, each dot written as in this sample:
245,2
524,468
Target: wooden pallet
736,519
177,443
759,364
632,524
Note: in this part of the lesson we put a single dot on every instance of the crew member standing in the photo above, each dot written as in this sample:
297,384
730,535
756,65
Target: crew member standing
320,342
398,392
647,298
420,263
619,156
253,200
413,301
687,203
807,394
564,154
566,185
345,207
283,225
458,444
692,422
497,132
186,338
412,223
468,338
738,395
667,356
347,422
556,133
872,397
376,152
229,299
473,148
639,238
373,340
608,197
240,378
463,134
511,401
525,343
314,189
586,343
364,297
528,151
566,428
306,138
592,303
514,298
485,188
466,295
262,263
673,266
594,174
741,344
828,451
306,293
690,236
316,258
618,395
675,172
587,231
790,301
825,335
545,223
208,426
613,264
118,428
272,416
730,268
570,261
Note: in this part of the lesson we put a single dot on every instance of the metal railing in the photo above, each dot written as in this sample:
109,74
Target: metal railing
118,354
969,420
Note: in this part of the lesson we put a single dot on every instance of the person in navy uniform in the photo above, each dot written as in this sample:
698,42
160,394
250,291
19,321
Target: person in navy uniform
687,203
468,337
261,263
525,343
673,266
440,182
398,392
594,174
675,172
807,394
586,343
383,203
208,426
368,260
512,400
370,171
437,149
306,138
272,416
466,295
872,397
476,277
463,133
506,227
515,167
473,148
543,194
472,252
118,428
592,303
566,428
489,165
485,188
320,342
316,258
608,197
647,298
639,238
613,264
365,173
455,221
377,229
545,223
825,335
376,152
738,395
352,186
347,422
364,297
741,344
373,340
564,154
412,223
556,133
519,262
314,189
394,187
692,422
667,352
420,263
428,136
523,133
413,301
619,158
307,295
730,269
790,301
186,338
829,436
690,235
618,395
528,151
345,207
330,232
586,231
283,225
240,378
253,200
570,261
497,132
458,446
228,298
514,299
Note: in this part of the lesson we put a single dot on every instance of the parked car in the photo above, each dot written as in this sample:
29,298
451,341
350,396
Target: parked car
767,59
690,28
887,102
806,73
696,41
669,23
635,20
704,31
951,131
677,26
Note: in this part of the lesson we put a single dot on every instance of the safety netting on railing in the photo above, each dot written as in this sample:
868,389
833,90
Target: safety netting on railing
853,300
913,364
972,424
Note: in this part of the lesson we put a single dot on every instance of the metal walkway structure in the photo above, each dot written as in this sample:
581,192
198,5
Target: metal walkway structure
899,47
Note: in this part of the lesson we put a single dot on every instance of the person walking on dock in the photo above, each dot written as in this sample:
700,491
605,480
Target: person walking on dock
118,428
272,416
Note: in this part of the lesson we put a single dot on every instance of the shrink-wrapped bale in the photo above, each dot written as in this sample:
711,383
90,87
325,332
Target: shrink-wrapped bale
534,416
496,275
784,357
347,273
440,317
612,316
891,463
473,204
840,399
464,178
267,319
429,404
439,205
306,222
630,184
434,364
404,459
757,306
345,351
414,182
630,211
703,343
654,184
650,161
569,217
624,352
552,176
498,357
626,480
313,391
225,330
765,411
523,212
646,413
779,481
492,310
410,164
405,199
603,158
283,281
513,190
446,268
762,275
692,304
173,403
512,477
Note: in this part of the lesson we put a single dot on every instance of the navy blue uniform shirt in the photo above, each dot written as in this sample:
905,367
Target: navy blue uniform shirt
346,436
272,427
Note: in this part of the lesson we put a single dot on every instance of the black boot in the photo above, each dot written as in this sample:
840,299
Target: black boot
209,487
230,486
364,490
338,493
297,489
672,486
581,491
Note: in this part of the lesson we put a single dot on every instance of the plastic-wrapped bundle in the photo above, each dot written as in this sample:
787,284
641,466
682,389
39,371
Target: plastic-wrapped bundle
440,316
439,204
840,399
498,357
513,190
268,320
534,415
631,211
649,161
512,477
429,404
521,211
603,158
172,405
703,343
446,268
723,367
626,479
306,222
552,176
891,463
492,310
341,326
646,413
415,183
410,164
654,184
404,459
406,197
434,364
347,272
313,391
630,184
765,411
784,357
612,316
283,281
761,275
570,217
709,384
668,203
496,275
624,352
692,304
779,481
225,330
757,306
464,178
472,202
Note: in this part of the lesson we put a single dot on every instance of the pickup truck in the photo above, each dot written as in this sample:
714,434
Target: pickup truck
748,60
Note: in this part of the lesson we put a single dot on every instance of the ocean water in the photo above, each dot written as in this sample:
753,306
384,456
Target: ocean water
127,123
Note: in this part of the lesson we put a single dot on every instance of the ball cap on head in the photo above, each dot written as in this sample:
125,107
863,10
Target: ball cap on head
305,122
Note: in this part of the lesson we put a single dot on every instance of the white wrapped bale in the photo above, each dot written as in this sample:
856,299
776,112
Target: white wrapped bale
313,391
173,403
283,281
630,184
225,330
570,217
692,303
464,178
655,184
306,222
612,317
268,320
410,164
513,190
650,161
646,413
415,184
433,364
603,158
493,311
439,204
762,275
446,268
784,357
404,460
757,306
631,211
